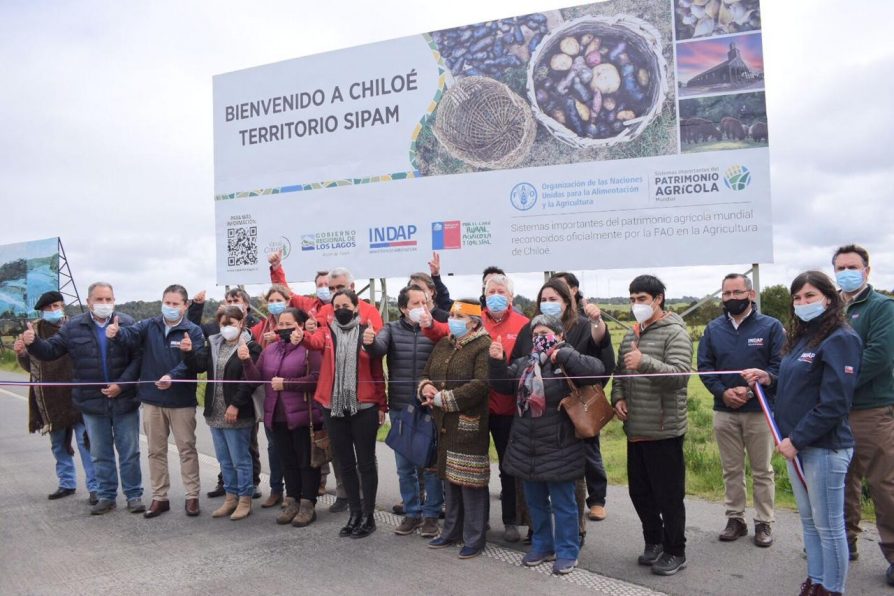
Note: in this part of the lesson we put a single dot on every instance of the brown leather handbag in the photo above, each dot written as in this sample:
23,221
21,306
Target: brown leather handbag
588,409
320,447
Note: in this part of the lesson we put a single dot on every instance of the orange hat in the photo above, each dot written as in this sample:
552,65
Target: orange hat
470,309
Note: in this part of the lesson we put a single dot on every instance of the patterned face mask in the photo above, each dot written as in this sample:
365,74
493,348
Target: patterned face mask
544,343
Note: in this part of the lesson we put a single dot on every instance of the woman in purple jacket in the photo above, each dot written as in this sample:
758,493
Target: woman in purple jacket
291,373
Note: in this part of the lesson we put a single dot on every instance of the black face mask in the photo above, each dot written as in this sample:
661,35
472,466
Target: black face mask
736,306
344,316
285,335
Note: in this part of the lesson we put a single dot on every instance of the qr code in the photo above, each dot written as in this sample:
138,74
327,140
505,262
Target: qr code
242,246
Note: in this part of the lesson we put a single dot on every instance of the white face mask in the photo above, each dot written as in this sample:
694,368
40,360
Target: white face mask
229,332
642,312
415,314
103,310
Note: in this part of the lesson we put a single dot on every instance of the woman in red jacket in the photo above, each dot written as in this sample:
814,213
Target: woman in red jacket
351,391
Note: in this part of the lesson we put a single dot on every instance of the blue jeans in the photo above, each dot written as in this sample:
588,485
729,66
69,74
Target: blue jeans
408,479
65,468
548,500
109,433
273,461
231,446
821,508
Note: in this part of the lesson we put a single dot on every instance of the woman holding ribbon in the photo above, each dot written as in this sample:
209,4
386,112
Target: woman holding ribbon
454,383
814,390
543,451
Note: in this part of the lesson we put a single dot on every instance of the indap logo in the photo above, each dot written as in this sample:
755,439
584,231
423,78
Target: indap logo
283,246
392,237
737,177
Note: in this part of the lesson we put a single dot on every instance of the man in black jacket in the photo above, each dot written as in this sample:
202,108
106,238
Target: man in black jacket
110,408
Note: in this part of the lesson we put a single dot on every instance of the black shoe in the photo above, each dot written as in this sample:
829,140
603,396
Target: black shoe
353,522
341,504
889,575
651,553
442,514
93,500
257,494
852,554
61,493
367,526
217,492
668,564
581,538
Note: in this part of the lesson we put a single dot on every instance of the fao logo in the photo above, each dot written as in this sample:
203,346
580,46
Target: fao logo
523,196
737,177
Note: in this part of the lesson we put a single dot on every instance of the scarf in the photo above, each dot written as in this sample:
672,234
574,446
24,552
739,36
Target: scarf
531,394
344,389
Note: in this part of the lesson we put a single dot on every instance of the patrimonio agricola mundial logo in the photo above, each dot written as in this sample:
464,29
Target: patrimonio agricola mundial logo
737,177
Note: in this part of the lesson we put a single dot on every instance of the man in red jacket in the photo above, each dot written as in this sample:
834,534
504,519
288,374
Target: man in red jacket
309,304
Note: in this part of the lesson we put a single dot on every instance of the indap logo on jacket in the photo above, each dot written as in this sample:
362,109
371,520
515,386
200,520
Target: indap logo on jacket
386,237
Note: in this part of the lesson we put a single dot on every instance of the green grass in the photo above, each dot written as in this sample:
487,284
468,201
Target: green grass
8,361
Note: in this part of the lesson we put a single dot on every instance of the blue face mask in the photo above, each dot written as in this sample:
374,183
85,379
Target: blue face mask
457,327
808,312
324,294
52,316
497,303
170,313
849,280
552,309
276,308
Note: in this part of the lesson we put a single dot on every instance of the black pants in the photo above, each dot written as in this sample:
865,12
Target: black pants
500,427
467,510
657,476
293,448
255,459
597,481
353,440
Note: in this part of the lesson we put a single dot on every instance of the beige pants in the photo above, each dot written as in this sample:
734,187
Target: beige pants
738,433
158,423
873,459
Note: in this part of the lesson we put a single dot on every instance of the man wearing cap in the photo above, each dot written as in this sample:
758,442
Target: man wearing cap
109,406
50,410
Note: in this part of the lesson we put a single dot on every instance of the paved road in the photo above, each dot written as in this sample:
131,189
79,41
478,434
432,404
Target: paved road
49,547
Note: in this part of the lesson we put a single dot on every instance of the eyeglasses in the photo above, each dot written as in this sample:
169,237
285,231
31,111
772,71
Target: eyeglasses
735,294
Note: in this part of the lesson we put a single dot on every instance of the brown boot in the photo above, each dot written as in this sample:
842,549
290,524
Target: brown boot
288,514
243,509
273,499
735,529
228,507
306,514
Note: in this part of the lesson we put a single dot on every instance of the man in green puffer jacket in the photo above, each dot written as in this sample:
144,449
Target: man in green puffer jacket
871,314
653,410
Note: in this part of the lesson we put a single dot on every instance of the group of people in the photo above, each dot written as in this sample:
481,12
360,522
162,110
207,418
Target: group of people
312,371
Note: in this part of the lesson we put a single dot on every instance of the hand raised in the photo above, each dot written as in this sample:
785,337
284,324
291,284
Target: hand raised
19,345
297,336
310,325
434,266
271,336
633,358
199,298
275,259
369,336
112,328
496,348
242,351
425,320
186,343
28,335
593,312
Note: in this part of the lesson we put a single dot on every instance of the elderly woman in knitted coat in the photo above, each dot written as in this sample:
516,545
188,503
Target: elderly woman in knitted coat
543,450
454,382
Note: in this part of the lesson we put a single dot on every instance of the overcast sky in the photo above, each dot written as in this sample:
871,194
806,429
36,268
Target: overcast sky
105,112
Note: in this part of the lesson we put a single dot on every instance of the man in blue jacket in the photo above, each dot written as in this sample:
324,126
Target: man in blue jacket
738,339
167,406
111,409
871,314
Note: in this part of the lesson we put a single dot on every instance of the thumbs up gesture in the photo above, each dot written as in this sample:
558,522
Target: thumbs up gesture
199,298
369,336
112,328
19,345
186,343
297,336
496,348
634,357
275,259
242,351
425,320
28,336
310,325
